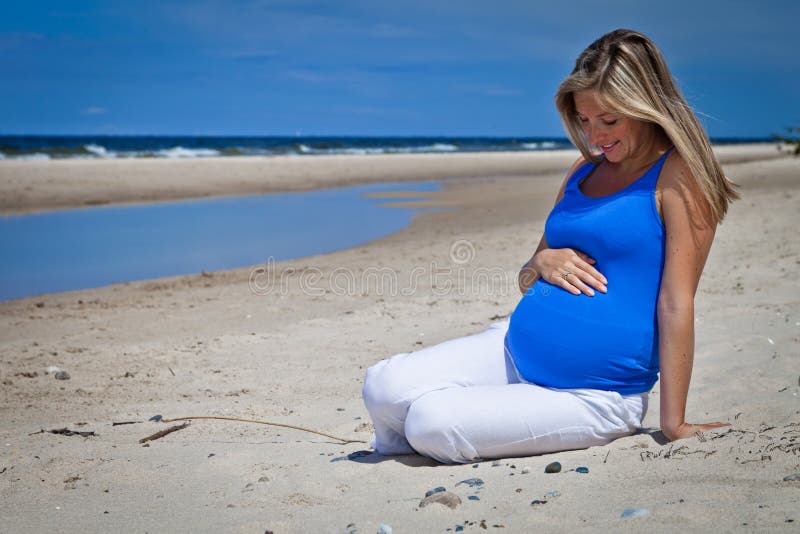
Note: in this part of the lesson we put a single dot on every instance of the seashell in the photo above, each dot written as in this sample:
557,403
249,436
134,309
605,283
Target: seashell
471,482
634,512
446,498
435,490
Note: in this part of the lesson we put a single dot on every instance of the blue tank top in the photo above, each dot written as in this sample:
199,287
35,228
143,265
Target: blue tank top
608,341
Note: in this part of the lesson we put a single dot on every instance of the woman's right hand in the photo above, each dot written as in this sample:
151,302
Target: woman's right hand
552,264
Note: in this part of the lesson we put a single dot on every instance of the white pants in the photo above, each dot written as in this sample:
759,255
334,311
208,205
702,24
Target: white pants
463,400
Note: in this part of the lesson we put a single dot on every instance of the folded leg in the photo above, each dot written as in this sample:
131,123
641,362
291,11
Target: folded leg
461,425
392,385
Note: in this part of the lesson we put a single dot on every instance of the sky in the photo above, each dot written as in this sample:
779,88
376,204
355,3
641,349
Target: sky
373,67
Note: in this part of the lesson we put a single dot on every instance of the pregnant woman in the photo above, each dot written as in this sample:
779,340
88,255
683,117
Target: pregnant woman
608,295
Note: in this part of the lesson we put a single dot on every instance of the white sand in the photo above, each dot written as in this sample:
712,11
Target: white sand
298,357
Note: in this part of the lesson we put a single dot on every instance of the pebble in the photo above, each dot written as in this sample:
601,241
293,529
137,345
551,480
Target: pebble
526,470
634,512
583,470
788,478
537,502
552,494
474,466
383,528
57,372
437,489
554,467
446,498
459,528
471,482
474,498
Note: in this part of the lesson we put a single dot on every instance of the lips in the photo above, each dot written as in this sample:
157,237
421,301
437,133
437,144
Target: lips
609,148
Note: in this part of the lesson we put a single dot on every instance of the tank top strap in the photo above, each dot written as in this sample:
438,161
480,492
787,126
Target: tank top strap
650,178
585,168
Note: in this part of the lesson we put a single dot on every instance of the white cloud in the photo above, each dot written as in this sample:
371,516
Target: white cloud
94,110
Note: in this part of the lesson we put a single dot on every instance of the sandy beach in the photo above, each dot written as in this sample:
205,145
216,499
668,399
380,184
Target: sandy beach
290,343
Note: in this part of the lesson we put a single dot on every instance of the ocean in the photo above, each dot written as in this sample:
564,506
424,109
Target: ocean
60,147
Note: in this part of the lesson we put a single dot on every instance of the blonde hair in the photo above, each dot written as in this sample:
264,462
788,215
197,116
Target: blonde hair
630,76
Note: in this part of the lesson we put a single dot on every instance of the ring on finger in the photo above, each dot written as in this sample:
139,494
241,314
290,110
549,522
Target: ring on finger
565,275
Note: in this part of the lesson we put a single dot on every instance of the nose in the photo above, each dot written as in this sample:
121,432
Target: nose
594,135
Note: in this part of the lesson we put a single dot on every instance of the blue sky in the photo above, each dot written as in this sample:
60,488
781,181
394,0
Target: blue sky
372,67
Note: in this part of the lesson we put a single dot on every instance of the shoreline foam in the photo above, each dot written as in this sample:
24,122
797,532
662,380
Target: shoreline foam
32,186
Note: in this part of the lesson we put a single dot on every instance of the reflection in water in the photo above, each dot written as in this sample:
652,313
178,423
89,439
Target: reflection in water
91,247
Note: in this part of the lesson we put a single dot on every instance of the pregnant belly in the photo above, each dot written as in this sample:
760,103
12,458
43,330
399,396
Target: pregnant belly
570,341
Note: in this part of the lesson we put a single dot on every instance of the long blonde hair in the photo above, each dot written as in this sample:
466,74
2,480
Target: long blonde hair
630,76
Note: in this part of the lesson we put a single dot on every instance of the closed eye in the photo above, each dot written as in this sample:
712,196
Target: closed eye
612,123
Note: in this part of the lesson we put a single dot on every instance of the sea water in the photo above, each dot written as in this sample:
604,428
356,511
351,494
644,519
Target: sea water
92,247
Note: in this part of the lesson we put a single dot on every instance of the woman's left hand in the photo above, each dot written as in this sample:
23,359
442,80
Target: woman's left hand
687,430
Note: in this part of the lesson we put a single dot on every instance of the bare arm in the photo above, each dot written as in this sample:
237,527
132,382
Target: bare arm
689,233
528,275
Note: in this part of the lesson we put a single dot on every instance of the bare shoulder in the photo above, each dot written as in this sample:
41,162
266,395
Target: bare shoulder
675,172
678,190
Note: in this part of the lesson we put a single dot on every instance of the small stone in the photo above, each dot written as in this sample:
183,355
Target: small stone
526,470
155,418
61,375
459,528
435,490
583,470
471,482
474,498
445,498
554,467
789,478
552,494
383,528
264,479
474,466
537,502
635,512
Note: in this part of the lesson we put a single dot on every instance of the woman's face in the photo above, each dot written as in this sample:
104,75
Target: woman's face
619,137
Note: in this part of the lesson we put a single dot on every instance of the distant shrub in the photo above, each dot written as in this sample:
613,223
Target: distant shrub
792,139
